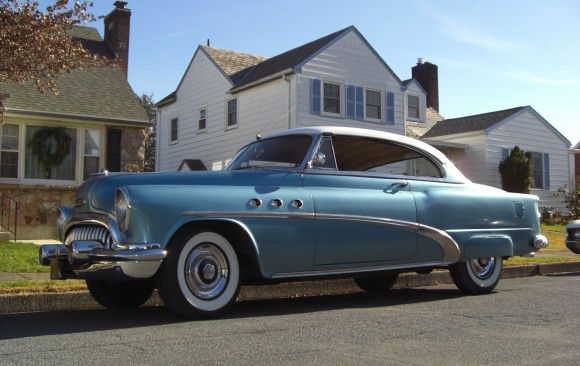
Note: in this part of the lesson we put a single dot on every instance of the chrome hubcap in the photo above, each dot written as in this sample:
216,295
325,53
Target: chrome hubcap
482,268
206,271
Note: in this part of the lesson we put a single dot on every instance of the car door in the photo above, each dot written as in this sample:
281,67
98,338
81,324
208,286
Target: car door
365,212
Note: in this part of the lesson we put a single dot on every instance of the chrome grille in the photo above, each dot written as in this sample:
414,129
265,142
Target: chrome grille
96,233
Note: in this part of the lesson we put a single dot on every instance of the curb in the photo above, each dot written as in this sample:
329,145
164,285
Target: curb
49,302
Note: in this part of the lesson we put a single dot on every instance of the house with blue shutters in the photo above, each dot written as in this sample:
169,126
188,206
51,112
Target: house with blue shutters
225,98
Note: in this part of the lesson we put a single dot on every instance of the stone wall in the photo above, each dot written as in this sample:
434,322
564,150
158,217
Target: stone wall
37,209
133,149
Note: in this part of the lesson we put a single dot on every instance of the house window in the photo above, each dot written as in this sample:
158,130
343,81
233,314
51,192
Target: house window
92,153
50,153
331,98
9,151
173,132
373,104
201,118
232,115
413,107
537,164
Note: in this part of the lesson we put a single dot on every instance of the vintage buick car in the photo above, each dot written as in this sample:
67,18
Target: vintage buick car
307,203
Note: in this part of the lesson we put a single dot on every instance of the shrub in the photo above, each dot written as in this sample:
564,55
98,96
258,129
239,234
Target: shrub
515,171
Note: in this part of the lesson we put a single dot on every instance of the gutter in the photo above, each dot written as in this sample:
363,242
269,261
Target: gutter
78,116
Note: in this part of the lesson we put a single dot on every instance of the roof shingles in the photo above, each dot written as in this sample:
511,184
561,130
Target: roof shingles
100,93
473,123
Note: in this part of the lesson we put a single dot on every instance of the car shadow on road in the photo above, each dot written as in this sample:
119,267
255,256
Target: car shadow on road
69,322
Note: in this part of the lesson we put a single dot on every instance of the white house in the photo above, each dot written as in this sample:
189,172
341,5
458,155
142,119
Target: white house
488,139
225,98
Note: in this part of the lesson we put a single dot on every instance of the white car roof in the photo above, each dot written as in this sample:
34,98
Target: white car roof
363,132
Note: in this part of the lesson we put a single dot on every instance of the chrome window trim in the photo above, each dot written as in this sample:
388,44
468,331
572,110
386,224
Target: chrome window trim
451,252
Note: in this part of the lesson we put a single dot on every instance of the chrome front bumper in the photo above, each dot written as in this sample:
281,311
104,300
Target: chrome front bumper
88,259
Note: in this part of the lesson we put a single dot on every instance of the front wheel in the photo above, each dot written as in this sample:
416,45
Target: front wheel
121,295
477,276
200,277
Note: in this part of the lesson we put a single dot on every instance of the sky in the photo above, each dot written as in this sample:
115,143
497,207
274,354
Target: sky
492,55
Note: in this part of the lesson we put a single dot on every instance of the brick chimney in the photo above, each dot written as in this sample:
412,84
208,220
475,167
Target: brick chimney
117,26
427,75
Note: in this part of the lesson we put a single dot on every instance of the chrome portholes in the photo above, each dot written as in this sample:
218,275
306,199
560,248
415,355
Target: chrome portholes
255,202
482,268
206,271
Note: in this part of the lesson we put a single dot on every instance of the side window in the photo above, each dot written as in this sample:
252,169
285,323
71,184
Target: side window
9,151
381,157
174,130
232,113
201,118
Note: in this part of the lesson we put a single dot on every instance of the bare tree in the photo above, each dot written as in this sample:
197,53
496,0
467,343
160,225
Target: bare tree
35,45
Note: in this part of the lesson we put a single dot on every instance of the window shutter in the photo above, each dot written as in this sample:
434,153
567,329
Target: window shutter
505,153
314,96
359,103
546,171
350,101
390,108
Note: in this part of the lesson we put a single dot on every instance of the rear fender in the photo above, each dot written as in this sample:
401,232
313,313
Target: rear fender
484,246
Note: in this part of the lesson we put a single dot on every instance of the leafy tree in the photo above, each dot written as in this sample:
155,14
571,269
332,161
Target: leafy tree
149,105
35,45
516,171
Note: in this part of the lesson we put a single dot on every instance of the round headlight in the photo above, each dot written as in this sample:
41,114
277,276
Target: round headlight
576,234
122,209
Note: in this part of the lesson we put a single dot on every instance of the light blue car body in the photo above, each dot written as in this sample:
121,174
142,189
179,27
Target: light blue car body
301,221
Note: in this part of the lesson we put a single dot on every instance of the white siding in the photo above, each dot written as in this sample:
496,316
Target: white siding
472,163
204,84
350,61
530,133
280,103
527,130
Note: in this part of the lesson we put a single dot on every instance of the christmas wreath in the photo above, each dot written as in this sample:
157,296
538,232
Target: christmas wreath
41,145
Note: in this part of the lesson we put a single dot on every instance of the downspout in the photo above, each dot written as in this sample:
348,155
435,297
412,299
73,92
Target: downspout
157,144
287,79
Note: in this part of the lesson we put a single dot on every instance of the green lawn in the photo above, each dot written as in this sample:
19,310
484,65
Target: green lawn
20,257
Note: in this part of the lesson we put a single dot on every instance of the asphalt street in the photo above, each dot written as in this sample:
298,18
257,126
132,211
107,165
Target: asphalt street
526,321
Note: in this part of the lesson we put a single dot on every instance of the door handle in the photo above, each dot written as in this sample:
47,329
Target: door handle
396,187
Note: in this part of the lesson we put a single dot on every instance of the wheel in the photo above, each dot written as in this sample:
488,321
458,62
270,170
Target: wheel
200,277
121,295
377,283
477,276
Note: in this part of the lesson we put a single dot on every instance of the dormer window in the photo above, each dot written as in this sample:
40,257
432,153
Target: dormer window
413,107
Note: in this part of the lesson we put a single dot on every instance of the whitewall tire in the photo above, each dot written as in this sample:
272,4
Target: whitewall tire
477,276
200,277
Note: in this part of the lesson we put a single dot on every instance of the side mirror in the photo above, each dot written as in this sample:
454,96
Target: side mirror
319,160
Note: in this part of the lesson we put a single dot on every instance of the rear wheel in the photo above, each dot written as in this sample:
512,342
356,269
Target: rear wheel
377,283
121,295
477,276
200,277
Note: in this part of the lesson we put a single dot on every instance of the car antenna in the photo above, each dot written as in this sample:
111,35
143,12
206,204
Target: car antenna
258,137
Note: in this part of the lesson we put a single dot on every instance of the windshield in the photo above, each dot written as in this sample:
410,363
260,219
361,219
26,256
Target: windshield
281,152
